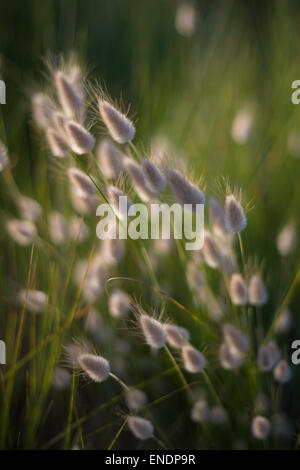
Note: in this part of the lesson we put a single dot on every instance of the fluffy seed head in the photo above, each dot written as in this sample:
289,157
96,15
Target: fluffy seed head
79,139
286,240
260,427
282,371
29,208
211,253
185,19
268,356
36,300
194,276
138,180
114,195
22,231
234,215
193,360
184,191
235,340
242,127
58,145
96,367
217,415
69,99
83,204
200,411
43,109
135,399
141,428
119,126
4,160
153,331
58,228
113,250
177,336
284,321
238,290
119,303
84,186
257,291
61,378
79,231
109,159
229,360
155,179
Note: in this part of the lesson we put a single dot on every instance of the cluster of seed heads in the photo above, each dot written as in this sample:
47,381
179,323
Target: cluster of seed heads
64,123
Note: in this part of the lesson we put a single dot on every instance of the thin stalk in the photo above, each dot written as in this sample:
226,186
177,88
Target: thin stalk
119,381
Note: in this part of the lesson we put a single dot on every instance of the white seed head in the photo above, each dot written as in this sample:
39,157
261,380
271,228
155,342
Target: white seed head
229,360
138,180
4,160
83,204
154,178
119,303
59,121
119,126
242,127
217,217
154,331
238,290
22,231
70,100
135,399
113,250
284,322
260,427
257,291
193,360
36,300
43,109
29,208
58,144
184,191
96,367
211,253
58,228
79,231
268,356
185,19
218,415
141,428
61,378
82,183
177,336
200,411
234,215
114,195
79,139
286,240
194,276
109,159
235,340
94,280
282,371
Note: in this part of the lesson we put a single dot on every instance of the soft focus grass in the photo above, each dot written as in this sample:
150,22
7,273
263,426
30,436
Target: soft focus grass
189,90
